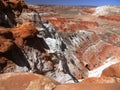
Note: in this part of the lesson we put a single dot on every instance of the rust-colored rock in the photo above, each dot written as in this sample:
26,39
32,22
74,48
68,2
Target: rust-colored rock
95,55
26,81
6,33
3,63
24,31
17,4
5,44
98,42
6,65
89,11
89,23
101,80
13,4
112,71
89,86
112,18
19,41
9,9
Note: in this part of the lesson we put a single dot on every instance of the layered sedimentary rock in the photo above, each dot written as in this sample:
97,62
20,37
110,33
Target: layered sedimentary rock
82,49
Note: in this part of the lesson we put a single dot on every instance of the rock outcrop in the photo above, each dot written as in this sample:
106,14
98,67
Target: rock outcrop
101,80
9,10
11,41
24,31
88,87
26,81
5,44
112,71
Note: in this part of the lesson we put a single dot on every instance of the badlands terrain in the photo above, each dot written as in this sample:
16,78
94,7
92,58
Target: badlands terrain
49,47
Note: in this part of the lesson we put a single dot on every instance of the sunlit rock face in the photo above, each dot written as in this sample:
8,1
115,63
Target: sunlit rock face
112,71
101,80
89,86
11,41
26,81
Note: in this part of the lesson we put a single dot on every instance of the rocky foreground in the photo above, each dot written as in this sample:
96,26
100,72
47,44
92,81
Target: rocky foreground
43,47
28,81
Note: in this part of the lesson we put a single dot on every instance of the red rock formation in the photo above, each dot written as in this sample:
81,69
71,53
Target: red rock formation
112,18
71,25
95,55
6,65
18,3
90,11
7,35
76,27
10,8
65,25
89,23
102,83
15,4
90,49
112,38
89,86
100,80
26,81
112,71
6,40
24,31
10,38
5,44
